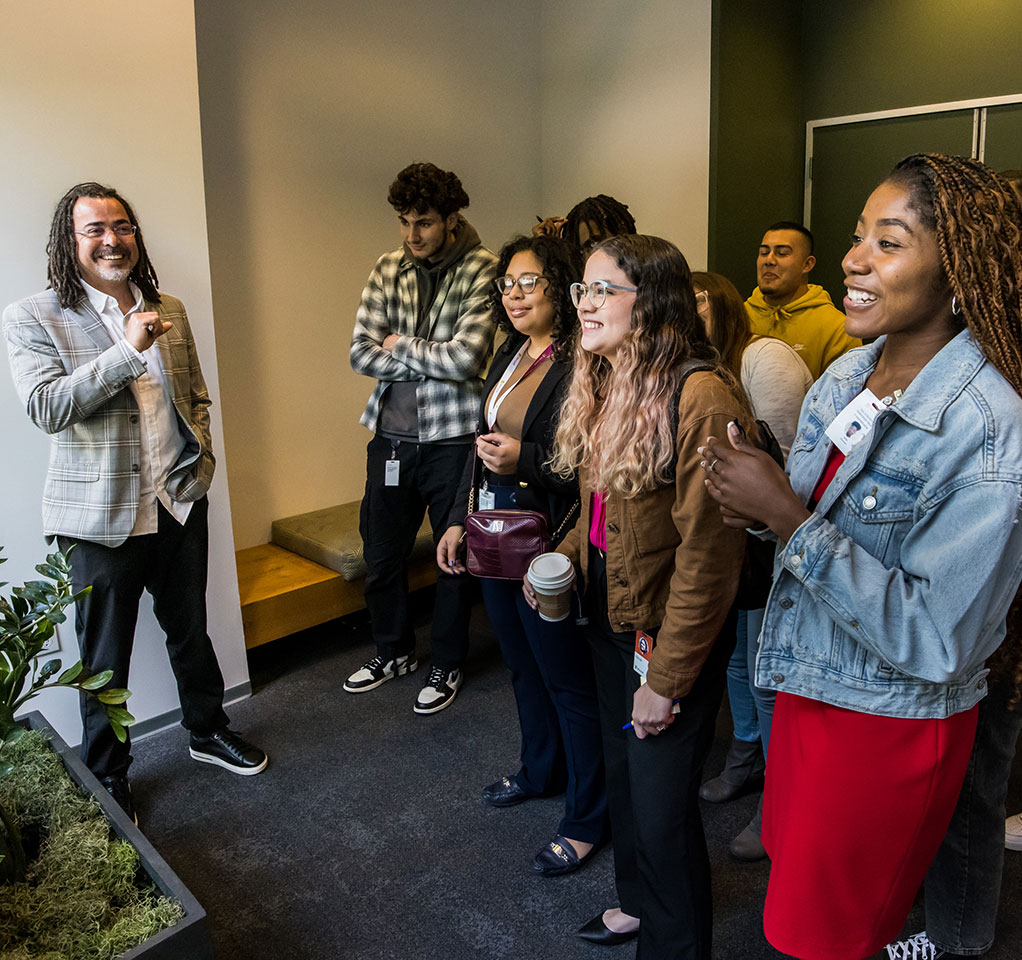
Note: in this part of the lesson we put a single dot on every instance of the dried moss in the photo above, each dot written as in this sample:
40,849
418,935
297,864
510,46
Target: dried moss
81,899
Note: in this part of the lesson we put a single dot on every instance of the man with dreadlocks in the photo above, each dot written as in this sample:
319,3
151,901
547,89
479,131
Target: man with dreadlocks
423,330
588,222
107,366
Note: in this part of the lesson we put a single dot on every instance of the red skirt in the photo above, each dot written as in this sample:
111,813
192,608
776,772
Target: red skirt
854,811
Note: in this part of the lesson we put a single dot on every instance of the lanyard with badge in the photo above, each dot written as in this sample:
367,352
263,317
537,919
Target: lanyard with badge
855,422
644,644
500,393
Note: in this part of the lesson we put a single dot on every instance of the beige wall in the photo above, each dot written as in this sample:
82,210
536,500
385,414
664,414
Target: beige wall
70,111
626,111
308,111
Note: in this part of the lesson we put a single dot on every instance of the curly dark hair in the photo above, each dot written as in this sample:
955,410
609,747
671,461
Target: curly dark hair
562,266
62,269
610,217
424,186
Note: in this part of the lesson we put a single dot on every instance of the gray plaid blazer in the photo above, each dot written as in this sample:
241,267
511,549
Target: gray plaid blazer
73,379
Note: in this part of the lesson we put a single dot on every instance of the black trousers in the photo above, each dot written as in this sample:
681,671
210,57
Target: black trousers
554,691
171,564
661,866
389,521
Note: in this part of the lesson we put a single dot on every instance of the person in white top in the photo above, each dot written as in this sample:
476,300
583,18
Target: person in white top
106,365
776,380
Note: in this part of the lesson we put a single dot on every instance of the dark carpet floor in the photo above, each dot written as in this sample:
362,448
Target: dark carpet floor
366,838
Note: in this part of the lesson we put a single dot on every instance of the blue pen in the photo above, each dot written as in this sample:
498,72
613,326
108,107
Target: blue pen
628,726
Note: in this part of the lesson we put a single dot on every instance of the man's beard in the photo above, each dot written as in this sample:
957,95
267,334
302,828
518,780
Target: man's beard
113,269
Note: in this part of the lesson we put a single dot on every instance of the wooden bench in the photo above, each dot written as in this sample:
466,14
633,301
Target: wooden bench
283,592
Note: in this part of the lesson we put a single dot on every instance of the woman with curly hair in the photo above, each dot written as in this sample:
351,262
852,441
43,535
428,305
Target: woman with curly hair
660,571
898,556
550,670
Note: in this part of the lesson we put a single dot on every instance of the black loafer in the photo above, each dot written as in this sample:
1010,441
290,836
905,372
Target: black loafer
558,857
596,931
505,793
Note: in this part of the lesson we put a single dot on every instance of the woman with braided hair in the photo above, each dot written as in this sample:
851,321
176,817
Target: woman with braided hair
898,557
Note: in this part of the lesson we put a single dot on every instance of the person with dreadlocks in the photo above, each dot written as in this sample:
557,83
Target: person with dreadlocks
107,366
898,558
963,885
588,222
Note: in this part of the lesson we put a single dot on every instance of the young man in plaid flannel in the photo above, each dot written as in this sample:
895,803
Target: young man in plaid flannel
423,331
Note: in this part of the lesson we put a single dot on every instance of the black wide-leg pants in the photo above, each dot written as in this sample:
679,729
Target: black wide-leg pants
172,565
661,865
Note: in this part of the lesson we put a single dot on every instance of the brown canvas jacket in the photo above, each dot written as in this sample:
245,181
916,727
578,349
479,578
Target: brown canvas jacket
671,562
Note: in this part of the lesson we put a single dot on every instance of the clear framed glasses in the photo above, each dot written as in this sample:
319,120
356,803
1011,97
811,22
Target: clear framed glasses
596,291
526,283
702,300
95,231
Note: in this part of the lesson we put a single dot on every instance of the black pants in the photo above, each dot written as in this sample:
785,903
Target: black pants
963,884
171,564
389,522
555,693
661,865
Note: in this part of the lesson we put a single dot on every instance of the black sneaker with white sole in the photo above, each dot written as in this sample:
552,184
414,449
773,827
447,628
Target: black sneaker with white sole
440,690
228,750
376,671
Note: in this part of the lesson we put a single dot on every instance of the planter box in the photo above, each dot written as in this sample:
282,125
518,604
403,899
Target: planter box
189,938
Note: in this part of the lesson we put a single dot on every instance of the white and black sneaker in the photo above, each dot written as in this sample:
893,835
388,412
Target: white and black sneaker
226,749
376,671
917,947
440,690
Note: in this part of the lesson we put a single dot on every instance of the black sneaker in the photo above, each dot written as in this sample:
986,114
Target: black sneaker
120,790
376,671
440,690
226,749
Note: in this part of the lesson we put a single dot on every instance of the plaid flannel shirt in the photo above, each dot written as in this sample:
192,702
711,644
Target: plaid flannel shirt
449,361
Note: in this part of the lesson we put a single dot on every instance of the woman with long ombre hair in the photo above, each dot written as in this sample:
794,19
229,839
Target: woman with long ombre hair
660,571
899,553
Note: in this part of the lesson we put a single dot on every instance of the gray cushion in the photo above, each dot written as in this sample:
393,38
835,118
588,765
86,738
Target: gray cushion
330,537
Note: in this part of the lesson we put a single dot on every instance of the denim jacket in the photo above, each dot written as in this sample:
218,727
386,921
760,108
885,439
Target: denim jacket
890,597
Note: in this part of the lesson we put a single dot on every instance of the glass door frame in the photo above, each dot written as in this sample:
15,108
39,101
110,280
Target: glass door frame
979,131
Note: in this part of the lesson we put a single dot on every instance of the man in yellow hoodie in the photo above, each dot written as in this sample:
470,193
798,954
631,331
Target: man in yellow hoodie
785,305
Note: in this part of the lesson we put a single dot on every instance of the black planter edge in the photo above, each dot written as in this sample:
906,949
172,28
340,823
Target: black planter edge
189,938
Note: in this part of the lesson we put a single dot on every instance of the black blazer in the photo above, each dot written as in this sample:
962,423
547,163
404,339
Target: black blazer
538,488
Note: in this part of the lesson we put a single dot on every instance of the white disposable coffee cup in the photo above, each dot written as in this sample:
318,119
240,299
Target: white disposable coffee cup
552,576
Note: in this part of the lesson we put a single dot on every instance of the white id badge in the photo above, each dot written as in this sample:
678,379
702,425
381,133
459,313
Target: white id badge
392,474
853,424
487,501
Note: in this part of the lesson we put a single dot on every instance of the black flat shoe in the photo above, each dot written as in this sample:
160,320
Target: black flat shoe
558,857
505,793
596,931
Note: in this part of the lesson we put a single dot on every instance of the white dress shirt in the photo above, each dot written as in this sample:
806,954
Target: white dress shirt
162,439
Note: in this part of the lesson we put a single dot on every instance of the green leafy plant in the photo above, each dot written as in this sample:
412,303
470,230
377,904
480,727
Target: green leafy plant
27,620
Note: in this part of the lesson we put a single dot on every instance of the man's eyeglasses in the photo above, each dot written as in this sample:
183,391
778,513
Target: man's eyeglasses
596,291
95,232
526,283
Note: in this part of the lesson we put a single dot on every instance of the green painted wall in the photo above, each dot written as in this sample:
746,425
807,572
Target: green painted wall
756,140
871,55
774,69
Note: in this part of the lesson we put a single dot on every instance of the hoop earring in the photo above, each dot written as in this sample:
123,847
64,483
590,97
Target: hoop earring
955,309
